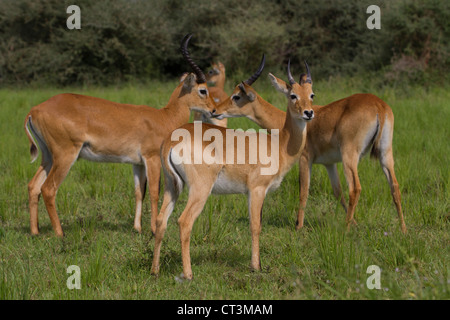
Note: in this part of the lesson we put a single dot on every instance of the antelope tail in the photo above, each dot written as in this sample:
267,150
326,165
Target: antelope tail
174,180
376,148
33,147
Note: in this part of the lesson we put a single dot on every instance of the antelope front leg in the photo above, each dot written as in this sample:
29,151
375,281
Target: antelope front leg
140,181
255,203
153,178
194,207
336,184
170,198
304,180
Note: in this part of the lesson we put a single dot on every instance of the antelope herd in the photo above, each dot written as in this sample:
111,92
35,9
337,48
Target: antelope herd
68,127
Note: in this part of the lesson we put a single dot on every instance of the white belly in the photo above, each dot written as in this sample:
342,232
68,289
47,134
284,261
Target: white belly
87,154
275,184
224,185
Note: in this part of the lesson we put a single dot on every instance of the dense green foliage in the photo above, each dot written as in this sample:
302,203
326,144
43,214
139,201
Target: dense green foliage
125,39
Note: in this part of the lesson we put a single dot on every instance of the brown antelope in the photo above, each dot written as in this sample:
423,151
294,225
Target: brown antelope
68,127
223,177
215,76
344,131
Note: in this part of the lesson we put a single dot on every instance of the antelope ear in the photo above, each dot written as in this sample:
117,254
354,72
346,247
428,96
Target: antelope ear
189,81
279,84
250,95
183,76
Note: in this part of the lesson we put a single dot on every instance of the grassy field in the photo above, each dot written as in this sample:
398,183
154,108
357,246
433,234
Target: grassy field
322,261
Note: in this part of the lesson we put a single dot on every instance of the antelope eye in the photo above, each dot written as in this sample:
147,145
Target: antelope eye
312,96
293,96
236,98
203,92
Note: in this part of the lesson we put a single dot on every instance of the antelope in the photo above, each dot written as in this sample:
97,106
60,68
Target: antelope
68,127
223,178
215,76
342,131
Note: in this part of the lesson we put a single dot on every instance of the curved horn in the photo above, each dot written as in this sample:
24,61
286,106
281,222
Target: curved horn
290,78
258,72
308,74
184,51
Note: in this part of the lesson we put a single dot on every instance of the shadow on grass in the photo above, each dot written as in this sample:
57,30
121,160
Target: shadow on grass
89,223
171,262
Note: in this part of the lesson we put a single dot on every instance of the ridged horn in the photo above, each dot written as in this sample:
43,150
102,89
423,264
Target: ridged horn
184,51
258,72
290,78
308,74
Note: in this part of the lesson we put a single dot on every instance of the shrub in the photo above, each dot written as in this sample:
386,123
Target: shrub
124,39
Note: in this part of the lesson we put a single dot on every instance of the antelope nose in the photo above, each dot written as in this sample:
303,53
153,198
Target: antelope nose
309,114
214,114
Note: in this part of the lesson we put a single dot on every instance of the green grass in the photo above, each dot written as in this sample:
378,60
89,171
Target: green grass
322,261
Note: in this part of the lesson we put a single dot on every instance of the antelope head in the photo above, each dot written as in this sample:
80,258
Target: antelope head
194,88
300,95
243,100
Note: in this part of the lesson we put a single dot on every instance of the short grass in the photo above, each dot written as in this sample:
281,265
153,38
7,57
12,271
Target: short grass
322,261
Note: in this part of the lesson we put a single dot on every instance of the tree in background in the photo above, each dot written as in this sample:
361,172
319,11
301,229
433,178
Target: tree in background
121,40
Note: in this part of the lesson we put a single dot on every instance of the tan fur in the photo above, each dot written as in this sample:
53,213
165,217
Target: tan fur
202,179
70,126
340,132
216,75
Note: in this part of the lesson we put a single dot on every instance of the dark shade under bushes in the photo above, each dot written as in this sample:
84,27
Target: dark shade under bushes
122,39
